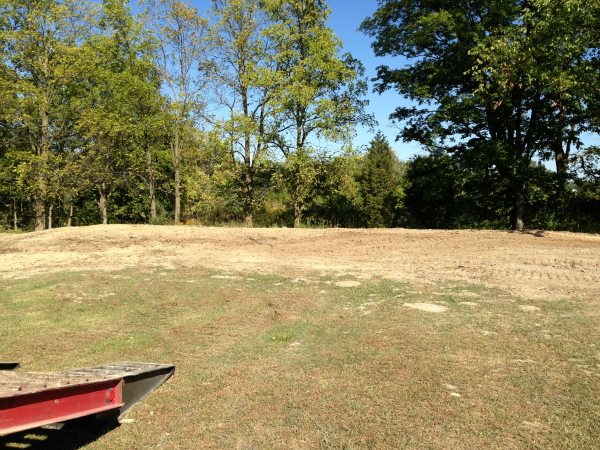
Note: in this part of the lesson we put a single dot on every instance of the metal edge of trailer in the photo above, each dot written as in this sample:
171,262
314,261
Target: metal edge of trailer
136,380
140,379
25,410
9,365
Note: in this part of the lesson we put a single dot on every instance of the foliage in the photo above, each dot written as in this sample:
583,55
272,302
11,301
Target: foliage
184,68
248,115
245,82
549,58
209,183
319,92
433,188
490,100
378,184
45,64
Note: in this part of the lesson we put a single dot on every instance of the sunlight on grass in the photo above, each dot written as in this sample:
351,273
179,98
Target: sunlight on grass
275,362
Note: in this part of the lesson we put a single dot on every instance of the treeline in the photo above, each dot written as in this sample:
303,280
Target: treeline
246,114
499,86
169,115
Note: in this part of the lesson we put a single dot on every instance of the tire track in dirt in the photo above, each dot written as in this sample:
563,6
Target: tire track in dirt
529,264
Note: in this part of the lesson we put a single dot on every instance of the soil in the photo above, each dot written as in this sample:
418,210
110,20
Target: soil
530,264
429,307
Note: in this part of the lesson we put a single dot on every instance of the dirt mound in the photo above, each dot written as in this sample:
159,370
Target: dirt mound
529,264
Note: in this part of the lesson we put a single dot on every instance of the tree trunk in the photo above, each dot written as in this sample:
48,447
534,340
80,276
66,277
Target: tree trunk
39,202
70,214
40,212
177,196
152,203
561,172
517,211
248,209
297,209
177,180
151,182
15,212
249,184
296,215
102,203
50,217
561,156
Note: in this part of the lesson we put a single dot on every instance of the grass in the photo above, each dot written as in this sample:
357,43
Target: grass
11,230
267,362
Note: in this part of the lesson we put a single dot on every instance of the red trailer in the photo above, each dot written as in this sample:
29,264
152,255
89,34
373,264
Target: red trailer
105,393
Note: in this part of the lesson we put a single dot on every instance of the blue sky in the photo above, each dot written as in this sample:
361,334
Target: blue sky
346,17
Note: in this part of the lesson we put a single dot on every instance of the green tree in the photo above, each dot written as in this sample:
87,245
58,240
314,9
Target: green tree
378,183
72,180
336,199
11,192
434,183
139,88
245,85
548,57
45,59
461,111
319,92
210,183
122,98
181,40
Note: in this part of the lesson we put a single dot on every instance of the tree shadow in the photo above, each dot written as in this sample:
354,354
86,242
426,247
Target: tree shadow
536,233
73,435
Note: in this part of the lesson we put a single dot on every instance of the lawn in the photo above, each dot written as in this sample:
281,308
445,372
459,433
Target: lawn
271,362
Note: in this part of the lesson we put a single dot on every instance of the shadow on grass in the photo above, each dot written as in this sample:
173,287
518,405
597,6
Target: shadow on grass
73,435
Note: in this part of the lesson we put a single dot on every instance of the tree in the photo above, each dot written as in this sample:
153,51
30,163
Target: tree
336,197
377,183
181,39
123,101
485,130
73,181
434,183
11,191
140,88
245,84
46,59
319,90
549,58
211,185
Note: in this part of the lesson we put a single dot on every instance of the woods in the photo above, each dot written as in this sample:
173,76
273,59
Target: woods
247,114
499,85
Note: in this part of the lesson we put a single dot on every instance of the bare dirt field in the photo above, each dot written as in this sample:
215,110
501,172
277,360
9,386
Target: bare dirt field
316,338
528,264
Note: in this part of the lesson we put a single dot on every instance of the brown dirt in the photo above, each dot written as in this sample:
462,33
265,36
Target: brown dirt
528,264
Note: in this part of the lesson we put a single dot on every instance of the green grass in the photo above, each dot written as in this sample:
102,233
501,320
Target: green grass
270,362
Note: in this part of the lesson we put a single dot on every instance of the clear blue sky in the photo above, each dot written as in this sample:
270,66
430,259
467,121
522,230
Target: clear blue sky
346,17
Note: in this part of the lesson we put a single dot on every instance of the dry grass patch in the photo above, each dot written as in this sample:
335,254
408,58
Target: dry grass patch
272,362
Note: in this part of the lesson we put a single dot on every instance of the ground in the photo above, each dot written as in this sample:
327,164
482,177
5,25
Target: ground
530,264
316,339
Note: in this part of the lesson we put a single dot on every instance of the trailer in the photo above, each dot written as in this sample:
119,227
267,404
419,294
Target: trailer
102,393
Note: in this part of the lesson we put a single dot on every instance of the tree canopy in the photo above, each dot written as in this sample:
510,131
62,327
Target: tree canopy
498,84
247,114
